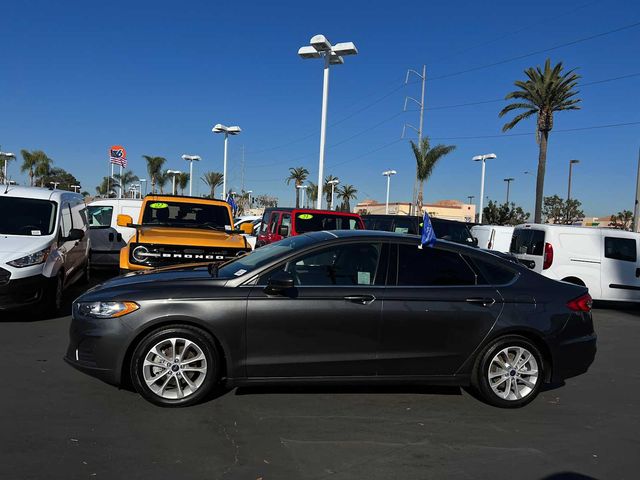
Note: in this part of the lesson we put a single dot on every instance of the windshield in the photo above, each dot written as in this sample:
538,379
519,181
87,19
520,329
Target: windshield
315,222
186,215
456,232
27,216
261,256
100,215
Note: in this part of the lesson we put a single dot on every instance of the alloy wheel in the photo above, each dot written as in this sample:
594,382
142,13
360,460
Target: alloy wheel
174,368
513,373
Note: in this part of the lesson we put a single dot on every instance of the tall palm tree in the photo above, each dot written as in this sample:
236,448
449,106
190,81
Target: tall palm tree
544,92
298,175
347,193
214,180
37,163
124,180
312,193
326,188
183,181
426,159
154,168
103,188
161,180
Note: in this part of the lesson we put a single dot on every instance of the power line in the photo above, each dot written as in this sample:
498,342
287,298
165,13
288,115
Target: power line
536,52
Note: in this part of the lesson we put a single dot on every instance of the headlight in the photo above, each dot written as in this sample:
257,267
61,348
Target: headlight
107,309
31,259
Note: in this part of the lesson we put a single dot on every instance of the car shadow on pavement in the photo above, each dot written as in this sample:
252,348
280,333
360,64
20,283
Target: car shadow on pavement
348,389
568,476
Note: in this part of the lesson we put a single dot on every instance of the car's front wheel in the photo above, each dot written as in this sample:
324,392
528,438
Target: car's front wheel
175,366
509,372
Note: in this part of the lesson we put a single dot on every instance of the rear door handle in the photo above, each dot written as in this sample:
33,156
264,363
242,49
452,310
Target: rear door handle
361,299
485,302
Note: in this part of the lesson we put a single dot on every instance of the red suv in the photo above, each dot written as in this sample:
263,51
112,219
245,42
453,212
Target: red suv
279,223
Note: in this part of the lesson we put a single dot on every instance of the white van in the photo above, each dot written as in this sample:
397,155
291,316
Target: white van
602,259
44,246
493,237
107,238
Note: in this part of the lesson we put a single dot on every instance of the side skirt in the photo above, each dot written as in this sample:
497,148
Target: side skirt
440,380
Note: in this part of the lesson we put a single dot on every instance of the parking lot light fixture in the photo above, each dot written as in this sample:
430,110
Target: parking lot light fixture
508,180
234,130
388,174
333,184
303,188
320,47
75,188
143,181
174,173
6,156
483,159
191,159
571,164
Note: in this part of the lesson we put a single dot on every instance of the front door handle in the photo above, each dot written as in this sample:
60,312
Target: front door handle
485,302
361,299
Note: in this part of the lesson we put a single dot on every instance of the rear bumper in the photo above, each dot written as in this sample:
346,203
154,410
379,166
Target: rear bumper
574,357
23,292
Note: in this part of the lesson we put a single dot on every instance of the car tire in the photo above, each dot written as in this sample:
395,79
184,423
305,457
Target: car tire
161,373
509,372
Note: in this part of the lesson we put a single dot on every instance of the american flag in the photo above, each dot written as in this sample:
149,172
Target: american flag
118,156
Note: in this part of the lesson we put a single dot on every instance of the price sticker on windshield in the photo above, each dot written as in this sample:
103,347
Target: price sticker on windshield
158,205
305,216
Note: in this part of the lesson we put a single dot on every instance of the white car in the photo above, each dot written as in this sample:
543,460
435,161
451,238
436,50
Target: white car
256,221
107,238
602,259
493,237
44,246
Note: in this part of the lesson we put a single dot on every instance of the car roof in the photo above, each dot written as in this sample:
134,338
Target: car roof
154,197
115,201
37,193
413,217
575,228
324,235
309,210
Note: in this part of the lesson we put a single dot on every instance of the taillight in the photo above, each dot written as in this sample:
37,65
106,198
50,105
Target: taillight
548,256
581,304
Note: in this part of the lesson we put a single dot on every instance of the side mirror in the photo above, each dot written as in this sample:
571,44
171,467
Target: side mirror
474,242
247,228
279,282
124,220
283,231
74,235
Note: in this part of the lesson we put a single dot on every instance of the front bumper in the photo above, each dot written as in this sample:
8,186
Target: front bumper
23,292
97,347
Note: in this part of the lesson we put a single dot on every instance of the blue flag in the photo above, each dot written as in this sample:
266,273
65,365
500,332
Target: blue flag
428,235
232,203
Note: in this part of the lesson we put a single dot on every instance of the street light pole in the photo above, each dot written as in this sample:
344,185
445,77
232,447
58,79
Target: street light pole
571,164
7,156
508,180
332,54
483,159
388,174
174,173
191,159
143,180
234,130
333,183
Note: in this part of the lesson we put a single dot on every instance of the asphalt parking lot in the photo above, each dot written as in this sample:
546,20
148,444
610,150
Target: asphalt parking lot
59,423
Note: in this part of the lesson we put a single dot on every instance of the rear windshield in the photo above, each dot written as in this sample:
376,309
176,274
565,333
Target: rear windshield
27,216
186,215
314,222
527,241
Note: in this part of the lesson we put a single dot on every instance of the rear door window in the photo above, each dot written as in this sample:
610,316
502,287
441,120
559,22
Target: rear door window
527,241
492,273
432,267
100,216
620,249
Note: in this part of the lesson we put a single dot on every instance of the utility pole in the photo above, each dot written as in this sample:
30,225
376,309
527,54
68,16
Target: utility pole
636,207
242,171
423,77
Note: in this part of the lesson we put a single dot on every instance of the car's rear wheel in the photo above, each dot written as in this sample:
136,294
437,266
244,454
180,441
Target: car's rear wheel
509,373
175,366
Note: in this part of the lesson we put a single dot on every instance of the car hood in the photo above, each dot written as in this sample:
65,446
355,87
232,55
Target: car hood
16,246
188,236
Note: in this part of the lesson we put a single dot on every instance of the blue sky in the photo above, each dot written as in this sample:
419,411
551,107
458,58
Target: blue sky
78,77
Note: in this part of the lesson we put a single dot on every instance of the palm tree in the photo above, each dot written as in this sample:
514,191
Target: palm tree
346,193
37,163
312,193
326,188
125,179
183,181
103,188
161,180
154,167
543,93
298,175
213,179
426,159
